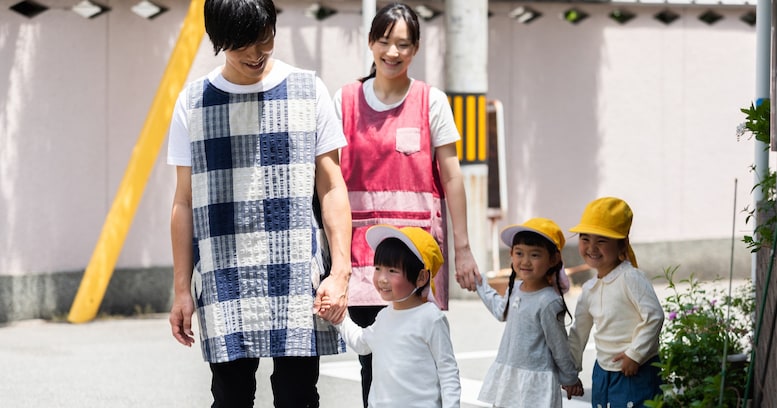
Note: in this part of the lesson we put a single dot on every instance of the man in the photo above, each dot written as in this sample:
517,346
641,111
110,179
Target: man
256,145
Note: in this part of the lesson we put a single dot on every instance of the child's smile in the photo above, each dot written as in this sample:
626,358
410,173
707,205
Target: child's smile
531,263
393,286
600,253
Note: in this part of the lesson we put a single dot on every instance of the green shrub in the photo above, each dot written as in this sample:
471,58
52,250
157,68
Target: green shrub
702,324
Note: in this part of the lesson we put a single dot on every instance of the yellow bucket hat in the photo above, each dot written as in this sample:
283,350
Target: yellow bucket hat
550,231
608,217
420,242
543,226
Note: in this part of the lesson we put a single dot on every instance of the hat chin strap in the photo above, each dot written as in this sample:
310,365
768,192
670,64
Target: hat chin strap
408,296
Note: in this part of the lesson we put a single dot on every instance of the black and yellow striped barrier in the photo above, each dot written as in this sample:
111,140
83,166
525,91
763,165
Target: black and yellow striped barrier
469,113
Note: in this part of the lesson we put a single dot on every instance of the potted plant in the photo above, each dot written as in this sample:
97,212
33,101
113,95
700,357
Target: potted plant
703,327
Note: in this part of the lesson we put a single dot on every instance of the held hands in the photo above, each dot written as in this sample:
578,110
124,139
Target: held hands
321,307
331,301
575,390
467,274
629,367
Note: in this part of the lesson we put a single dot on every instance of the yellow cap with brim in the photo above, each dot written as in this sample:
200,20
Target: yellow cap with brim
421,243
543,226
607,217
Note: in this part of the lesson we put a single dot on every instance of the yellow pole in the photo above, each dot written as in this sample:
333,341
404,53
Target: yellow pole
117,223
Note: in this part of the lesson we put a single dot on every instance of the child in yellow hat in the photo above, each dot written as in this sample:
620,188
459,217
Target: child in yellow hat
412,353
622,303
533,360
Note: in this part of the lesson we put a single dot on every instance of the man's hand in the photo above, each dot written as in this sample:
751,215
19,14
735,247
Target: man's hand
629,367
181,319
331,301
467,274
319,308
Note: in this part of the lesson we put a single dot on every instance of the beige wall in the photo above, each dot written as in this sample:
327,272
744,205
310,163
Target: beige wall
643,111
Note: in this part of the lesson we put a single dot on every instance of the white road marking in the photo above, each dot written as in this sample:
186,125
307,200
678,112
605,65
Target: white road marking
350,370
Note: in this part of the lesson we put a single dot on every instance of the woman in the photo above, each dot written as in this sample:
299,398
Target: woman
400,163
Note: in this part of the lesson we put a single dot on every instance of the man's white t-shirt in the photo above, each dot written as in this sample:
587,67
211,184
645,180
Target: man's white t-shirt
328,125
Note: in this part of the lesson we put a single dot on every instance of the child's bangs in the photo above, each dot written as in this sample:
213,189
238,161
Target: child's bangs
534,239
390,253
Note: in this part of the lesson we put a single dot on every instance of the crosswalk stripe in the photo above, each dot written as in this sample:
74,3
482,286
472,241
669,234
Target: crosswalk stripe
350,370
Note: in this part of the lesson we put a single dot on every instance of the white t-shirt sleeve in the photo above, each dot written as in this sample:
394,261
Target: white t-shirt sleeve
329,125
441,123
178,151
337,100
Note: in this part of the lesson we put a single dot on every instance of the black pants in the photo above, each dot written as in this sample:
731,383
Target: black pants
365,316
293,382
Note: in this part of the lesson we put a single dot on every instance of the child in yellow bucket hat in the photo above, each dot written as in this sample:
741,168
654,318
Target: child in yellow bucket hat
412,353
533,360
622,303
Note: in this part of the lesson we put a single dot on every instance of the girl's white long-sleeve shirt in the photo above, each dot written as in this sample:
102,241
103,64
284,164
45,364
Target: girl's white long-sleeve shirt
413,364
628,317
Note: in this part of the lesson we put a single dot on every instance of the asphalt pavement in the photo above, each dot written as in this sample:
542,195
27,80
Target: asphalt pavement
135,362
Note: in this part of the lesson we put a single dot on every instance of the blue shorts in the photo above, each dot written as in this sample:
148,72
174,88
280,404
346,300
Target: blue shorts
619,391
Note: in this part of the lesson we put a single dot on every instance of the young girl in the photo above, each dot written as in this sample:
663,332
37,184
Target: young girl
533,358
400,162
622,303
410,339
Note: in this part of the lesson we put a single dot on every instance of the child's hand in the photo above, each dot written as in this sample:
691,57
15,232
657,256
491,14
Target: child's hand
575,390
629,367
321,305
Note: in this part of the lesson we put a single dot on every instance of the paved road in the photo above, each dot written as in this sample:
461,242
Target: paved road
134,362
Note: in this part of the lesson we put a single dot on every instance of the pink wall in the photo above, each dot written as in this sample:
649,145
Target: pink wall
644,111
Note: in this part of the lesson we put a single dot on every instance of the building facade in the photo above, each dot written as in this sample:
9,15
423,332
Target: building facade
643,108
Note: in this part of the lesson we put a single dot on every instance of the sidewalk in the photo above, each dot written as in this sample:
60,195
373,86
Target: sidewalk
135,362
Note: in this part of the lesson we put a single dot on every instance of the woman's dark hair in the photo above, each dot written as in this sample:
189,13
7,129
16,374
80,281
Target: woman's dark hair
234,24
384,22
392,252
534,239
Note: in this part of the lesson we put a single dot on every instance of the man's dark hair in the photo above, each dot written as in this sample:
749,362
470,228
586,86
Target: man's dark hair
234,24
